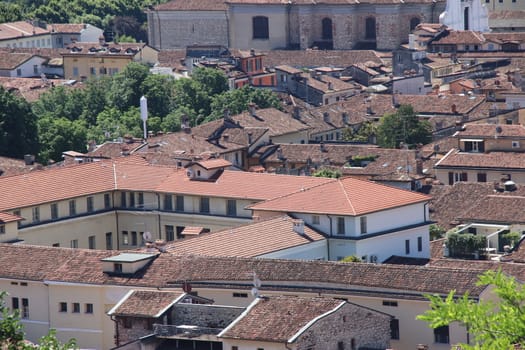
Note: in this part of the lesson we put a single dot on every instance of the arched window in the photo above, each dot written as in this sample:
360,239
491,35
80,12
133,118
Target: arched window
370,28
327,29
414,22
260,27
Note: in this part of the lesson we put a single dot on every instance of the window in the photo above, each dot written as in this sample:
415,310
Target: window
441,335
132,199
76,308
117,268
19,72
326,24
109,241
420,244
123,203
15,304
127,322
168,202
75,71
25,308
125,238
62,307
370,28
315,219
340,226
54,211
2,229
414,22
74,243
107,201
170,233
134,240
231,208
515,144
92,71
35,69
482,177
260,27
141,199
88,308
456,177
179,203
55,245
36,214
72,207
89,204
407,246
91,242
474,146
240,295
24,284
235,347
390,303
362,221
394,328
204,205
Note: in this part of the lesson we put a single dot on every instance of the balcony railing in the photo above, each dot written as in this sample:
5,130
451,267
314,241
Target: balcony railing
162,330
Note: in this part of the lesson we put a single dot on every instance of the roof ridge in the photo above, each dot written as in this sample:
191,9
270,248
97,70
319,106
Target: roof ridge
347,197
302,189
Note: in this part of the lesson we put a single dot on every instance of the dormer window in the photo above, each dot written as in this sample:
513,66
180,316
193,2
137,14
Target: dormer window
472,145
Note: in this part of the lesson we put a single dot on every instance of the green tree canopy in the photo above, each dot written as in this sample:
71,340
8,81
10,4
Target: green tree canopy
57,135
212,80
18,130
493,325
325,172
403,127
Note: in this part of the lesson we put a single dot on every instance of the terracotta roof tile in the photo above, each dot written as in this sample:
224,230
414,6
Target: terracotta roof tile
491,130
116,149
9,61
497,160
85,266
214,163
469,37
318,58
66,28
194,5
279,123
251,240
146,303
434,104
6,217
279,318
11,166
347,196
18,29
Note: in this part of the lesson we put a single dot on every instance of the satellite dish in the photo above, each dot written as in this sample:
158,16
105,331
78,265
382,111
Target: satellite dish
147,236
255,292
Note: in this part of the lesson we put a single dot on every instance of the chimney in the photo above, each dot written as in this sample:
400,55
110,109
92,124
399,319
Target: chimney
412,41
250,138
251,107
280,154
322,147
185,124
313,73
298,226
297,112
226,114
344,117
252,52
29,159
101,40
454,109
326,117
92,144
330,85
369,110
225,137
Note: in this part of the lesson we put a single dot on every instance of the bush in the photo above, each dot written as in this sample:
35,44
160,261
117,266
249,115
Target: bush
464,244
436,232
351,258
510,239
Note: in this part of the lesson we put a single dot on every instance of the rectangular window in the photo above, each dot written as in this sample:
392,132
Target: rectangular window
35,69
132,200
441,335
88,308
168,200
19,72
55,245
141,199
420,244
340,226
75,71
2,229
117,268
76,308
72,207
107,201
36,214
54,211
362,221
25,308
179,203
62,307
482,177
127,322
123,203
235,347
15,304
125,238
74,243
231,208
204,205
89,204
407,246
392,303
394,329
91,242
315,219
92,71
240,295
170,233
109,241
134,240
515,144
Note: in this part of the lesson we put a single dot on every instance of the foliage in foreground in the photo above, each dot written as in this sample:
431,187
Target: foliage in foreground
493,325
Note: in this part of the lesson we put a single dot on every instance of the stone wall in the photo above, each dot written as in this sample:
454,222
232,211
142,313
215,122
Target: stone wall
210,316
139,327
353,326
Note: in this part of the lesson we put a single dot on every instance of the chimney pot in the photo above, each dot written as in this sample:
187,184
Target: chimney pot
298,226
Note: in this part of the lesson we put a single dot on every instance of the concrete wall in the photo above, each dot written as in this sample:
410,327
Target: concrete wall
210,316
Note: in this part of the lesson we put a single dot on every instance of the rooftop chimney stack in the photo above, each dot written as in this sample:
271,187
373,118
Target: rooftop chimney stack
298,227
297,113
326,117
251,107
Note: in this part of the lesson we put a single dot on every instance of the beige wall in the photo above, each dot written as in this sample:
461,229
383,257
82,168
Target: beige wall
85,62
10,230
293,137
492,176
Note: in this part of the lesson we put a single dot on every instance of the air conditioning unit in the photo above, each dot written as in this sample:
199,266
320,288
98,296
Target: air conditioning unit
373,259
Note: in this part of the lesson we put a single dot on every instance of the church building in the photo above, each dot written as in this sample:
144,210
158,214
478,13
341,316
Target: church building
292,24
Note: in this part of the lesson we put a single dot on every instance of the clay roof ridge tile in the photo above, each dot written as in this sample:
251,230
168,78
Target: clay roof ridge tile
347,197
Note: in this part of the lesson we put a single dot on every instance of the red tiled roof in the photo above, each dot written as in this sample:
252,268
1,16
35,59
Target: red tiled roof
214,163
251,240
434,104
194,5
347,196
146,303
461,37
495,160
318,58
18,29
491,130
11,60
279,318
278,122
6,217
69,28
191,231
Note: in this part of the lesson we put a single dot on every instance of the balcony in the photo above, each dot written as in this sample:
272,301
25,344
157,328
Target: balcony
185,331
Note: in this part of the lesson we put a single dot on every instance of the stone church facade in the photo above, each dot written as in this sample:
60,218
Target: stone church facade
294,24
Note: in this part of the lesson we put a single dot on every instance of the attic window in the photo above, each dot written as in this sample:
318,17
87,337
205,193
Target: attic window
515,144
117,268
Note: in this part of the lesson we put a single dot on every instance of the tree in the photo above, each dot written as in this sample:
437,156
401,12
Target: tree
436,232
57,135
325,172
18,129
12,333
214,81
363,134
493,325
403,127
126,89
